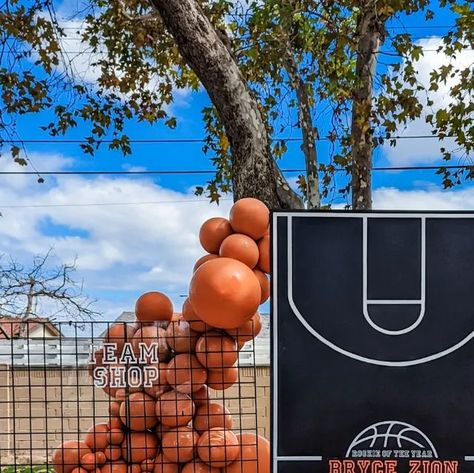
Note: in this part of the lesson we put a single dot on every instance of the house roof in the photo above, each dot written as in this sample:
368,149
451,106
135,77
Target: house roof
13,327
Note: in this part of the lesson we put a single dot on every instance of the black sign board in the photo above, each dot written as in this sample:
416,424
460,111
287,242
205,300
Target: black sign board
373,358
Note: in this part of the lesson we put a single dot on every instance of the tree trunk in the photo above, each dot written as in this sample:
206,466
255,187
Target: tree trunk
255,173
370,34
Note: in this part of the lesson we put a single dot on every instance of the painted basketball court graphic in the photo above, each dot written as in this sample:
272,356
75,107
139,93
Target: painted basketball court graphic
373,359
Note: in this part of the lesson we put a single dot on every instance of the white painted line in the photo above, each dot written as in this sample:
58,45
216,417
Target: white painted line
469,458
299,459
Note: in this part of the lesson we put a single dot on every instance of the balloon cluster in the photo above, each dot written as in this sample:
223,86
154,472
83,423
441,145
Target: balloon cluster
168,423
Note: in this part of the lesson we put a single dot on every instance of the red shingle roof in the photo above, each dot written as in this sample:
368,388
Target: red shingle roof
14,327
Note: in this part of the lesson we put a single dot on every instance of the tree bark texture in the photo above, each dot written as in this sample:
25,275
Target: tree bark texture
255,173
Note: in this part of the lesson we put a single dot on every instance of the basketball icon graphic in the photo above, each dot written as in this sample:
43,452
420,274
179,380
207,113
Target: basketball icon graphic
392,435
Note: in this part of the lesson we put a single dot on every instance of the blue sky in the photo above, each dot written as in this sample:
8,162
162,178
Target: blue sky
145,236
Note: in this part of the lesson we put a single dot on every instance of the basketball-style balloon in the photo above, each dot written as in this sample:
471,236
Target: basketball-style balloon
180,337
264,285
248,331
264,252
250,217
178,445
163,465
218,447
196,324
201,396
254,455
202,260
153,306
139,446
240,247
220,380
154,337
213,232
185,374
159,385
216,351
224,293
138,412
97,437
119,333
115,436
68,456
212,415
174,409
118,466
91,461
197,466
113,452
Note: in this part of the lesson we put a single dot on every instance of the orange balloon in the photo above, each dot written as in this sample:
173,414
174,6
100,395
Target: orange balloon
116,467
180,337
115,422
212,415
201,396
119,333
97,437
264,285
91,461
216,351
202,260
147,465
138,412
80,469
224,293
153,306
178,445
113,452
221,380
68,455
116,436
150,336
174,409
250,216
195,322
139,446
218,447
264,251
159,385
197,466
248,331
114,408
213,232
185,374
240,247
163,465
254,455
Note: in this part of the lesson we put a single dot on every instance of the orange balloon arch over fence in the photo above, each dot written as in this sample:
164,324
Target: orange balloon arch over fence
168,424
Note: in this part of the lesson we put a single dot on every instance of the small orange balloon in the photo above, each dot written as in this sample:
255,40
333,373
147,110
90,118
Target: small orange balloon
91,461
197,466
115,422
201,396
153,306
147,465
174,409
216,351
240,247
202,260
212,415
80,469
114,408
264,285
178,445
224,293
196,324
220,380
250,217
218,447
248,331
118,466
113,452
213,232
163,465
138,412
264,252
185,374
68,455
115,436
254,455
97,437
139,446
180,337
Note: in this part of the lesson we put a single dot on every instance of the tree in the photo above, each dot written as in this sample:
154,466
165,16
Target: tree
267,67
27,292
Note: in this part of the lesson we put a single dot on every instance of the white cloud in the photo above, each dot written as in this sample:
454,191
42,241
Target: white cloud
422,151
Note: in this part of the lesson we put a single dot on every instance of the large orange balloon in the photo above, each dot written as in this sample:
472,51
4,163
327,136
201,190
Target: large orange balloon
68,456
174,409
138,412
250,217
153,306
120,333
240,247
213,232
185,374
248,331
264,285
159,385
201,396
151,336
197,466
218,447
163,465
254,455
220,380
178,445
211,415
224,293
180,337
190,316
202,260
97,437
216,351
139,446
264,251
